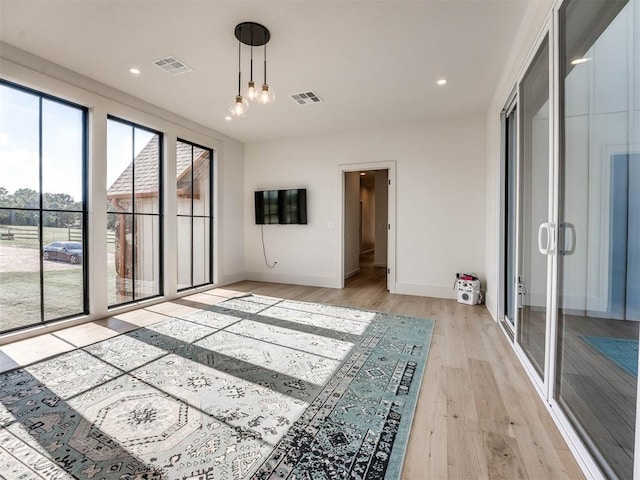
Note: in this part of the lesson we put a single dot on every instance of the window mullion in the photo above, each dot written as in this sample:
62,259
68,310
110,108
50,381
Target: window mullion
41,206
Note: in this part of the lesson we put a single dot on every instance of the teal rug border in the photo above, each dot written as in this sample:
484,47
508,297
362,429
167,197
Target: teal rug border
602,343
405,430
399,447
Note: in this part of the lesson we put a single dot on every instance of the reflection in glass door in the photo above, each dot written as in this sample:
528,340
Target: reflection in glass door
534,209
599,215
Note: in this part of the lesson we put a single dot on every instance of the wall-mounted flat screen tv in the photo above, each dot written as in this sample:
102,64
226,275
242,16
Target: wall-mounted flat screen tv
283,207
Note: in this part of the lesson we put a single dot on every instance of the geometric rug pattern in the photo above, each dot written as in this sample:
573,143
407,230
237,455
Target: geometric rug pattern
254,387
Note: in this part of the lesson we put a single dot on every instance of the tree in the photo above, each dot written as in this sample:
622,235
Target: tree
60,201
5,201
28,199
25,198
5,197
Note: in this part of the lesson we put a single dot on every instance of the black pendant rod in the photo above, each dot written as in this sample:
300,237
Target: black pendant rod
265,63
239,66
251,68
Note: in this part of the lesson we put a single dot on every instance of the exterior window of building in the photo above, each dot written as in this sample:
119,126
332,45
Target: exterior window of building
43,158
194,207
134,212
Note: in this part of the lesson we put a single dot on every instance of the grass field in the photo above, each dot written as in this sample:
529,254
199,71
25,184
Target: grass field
20,279
28,235
20,296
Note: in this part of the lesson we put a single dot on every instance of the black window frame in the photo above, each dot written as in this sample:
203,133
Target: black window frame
42,96
133,213
192,216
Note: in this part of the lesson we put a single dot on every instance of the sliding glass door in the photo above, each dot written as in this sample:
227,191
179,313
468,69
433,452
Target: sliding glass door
526,186
572,273
533,192
599,235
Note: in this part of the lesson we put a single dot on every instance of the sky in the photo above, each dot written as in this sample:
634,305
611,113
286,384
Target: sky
61,144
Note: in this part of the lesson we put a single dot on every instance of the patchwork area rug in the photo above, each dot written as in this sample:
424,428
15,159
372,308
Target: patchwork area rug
621,351
255,387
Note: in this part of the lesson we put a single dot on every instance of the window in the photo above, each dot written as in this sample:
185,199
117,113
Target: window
194,197
134,206
42,208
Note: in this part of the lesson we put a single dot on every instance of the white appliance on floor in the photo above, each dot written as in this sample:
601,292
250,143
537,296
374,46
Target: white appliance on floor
468,291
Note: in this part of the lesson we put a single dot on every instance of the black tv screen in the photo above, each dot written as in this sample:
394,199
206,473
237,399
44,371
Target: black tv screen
283,207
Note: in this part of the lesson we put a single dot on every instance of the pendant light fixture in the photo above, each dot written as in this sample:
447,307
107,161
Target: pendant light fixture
266,96
252,92
241,105
254,35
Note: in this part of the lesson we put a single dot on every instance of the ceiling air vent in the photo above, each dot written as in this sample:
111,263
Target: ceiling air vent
306,98
172,65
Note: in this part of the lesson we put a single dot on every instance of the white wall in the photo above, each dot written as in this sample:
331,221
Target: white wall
28,70
440,222
381,220
229,198
367,198
523,45
351,223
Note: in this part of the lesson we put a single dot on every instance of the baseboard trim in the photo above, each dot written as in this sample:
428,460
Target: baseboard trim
437,291
352,273
229,279
274,277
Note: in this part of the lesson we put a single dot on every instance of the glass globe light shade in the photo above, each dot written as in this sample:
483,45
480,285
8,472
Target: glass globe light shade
239,107
251,92
266,96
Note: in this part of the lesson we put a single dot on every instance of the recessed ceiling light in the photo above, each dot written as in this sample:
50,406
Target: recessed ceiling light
134,71
578,61
442,81
362,174
228,118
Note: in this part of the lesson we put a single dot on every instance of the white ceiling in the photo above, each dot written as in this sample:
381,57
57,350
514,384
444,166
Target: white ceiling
373,63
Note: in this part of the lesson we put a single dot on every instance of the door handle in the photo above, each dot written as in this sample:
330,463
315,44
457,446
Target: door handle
572,229
550,247
521,291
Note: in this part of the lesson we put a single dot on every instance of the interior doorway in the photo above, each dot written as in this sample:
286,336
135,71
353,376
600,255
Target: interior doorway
366,228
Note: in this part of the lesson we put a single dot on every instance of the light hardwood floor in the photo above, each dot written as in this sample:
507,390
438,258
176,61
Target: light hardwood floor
593,390
478,416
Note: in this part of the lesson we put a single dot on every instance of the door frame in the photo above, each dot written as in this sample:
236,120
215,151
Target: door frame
541,383
511,105
390,166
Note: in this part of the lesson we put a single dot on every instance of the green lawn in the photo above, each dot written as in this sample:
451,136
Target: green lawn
20,279
20,296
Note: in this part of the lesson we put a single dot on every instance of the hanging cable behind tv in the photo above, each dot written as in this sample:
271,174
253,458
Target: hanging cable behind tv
264,250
